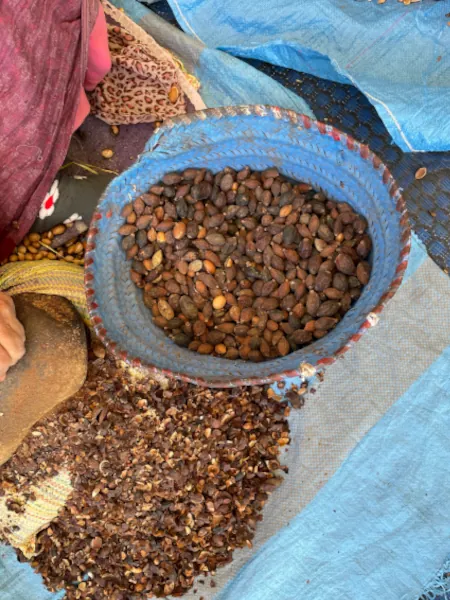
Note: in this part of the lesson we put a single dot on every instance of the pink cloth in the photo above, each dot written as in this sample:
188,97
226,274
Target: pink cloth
44,59
98,65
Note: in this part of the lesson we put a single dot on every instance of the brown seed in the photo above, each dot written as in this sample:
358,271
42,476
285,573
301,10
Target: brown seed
143,221
215,337
201,288
182,267
323,280
220,349
266,303
363,272
157,259
215,239
284,289
312,303
174,94
285,211
199,328
107,153
310,326
235,312
205,349
333,294
325,233
421,173
126,230
132,217
305,248
246,315
345,264
325,323
314,263
195,266
58,230
328,308
131,253
219,302
301,337
226,182
313,226
179,230
188,308
165,309
209,267
283,346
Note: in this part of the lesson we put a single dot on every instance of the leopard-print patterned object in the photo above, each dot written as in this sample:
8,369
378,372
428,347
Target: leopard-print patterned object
142,87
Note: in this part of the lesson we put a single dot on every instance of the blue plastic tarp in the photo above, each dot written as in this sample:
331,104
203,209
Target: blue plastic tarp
394,53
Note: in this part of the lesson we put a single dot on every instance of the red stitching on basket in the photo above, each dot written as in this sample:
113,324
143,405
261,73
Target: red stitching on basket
335,134
404,220
376,162
356,337
402,267
109,214
394,189
97,216
277,112
405,251
306,121
364,151
321,127
341,351
406,235
387,296
326,361
350,143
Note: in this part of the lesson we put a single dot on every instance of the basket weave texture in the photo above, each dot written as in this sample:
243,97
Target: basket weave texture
258,136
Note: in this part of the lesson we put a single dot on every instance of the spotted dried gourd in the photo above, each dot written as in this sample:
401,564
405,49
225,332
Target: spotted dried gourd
245,265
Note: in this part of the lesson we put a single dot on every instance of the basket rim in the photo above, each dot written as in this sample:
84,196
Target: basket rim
304,370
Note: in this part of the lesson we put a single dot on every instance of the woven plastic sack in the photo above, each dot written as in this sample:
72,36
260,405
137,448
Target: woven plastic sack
46,277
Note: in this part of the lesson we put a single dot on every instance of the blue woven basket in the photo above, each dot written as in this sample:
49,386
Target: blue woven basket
260,137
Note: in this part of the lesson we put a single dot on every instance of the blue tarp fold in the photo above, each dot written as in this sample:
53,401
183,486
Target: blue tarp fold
394,53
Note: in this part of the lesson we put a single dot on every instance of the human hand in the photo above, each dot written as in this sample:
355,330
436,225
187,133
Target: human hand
12,335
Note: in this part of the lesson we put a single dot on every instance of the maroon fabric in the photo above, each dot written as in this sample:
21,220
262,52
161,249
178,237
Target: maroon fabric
43,57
